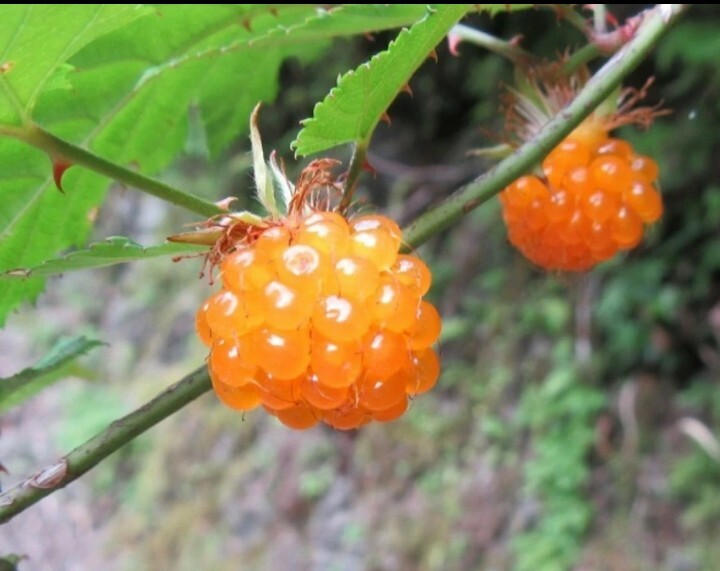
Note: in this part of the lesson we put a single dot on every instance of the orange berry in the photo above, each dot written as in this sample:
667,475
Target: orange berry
298,417
202,326
392,413
348,417
340,318
278,393
303,267
597,197
599,206
561,207
617,147
523,191
426,329
285,307
230,364
356,277
245,397
336,365
395,305
375,238
327,232
381,393
247,269
599,241
412,273
320,395
610,173
282,354
273,242
569,154
645,201
577,182
229,314
645,167
384,353
426,370
627,228
374,222
322,320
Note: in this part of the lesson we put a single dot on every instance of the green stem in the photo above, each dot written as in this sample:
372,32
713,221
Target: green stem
58,149
655,23
599,18
572,16
356,165
99,447
491,43
582,56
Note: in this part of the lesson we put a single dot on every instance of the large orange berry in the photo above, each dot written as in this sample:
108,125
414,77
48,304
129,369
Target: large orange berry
320,319
590,201
592,194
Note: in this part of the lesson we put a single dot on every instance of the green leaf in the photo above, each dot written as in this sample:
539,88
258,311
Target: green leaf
348,20
10,562
114,250
51,368
131,92
693,44
351,110
36,40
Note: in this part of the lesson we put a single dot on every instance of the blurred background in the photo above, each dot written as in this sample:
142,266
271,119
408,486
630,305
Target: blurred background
576,422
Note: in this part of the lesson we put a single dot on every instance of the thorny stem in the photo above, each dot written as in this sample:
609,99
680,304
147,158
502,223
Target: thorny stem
86,456
501,47
357,163
655,23
58,149
465,199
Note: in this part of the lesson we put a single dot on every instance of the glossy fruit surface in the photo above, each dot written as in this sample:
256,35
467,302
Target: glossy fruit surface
320,319
592,200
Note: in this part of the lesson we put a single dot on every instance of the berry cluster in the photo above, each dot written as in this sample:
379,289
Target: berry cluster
321,319
592,201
